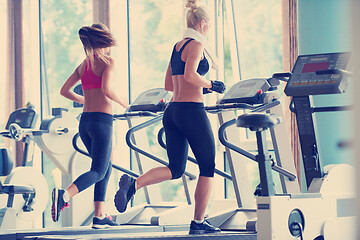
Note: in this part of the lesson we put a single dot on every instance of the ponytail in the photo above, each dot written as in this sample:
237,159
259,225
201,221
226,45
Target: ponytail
96,37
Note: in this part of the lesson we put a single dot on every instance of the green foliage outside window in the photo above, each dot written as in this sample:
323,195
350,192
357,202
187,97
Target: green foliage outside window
63,52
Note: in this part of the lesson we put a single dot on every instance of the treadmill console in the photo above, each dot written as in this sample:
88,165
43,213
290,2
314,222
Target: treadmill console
246,91
153,100
24,117
304,81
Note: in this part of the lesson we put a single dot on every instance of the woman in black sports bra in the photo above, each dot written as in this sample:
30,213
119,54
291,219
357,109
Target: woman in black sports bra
185,123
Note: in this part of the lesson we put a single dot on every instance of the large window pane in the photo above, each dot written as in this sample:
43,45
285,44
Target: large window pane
155,26
63,52
258,27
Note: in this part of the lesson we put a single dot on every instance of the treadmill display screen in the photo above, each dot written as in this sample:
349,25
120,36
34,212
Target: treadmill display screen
305,79
313,67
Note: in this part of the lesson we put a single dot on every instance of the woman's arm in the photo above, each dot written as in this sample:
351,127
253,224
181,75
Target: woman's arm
168,80
66,88
106,87
192,62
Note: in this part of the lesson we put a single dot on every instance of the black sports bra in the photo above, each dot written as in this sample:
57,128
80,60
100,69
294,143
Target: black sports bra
178,66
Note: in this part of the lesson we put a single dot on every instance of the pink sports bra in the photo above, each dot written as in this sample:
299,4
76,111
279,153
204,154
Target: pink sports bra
89,80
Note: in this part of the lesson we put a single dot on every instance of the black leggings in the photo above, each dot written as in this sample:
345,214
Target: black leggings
186,123
95,130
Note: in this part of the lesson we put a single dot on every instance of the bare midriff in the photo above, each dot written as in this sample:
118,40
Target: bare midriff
96,101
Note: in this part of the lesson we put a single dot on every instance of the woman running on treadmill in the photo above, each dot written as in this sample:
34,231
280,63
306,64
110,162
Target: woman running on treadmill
185,121
95,126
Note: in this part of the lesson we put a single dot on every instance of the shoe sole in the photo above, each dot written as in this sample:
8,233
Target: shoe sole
54,211
203,232
121,195
100,226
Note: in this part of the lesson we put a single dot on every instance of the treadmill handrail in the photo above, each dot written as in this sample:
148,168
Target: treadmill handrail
283,76
222,107
126,115
130,143
191,159
247,154
221,134
229,145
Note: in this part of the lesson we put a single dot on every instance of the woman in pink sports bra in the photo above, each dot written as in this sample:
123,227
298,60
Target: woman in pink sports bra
95,126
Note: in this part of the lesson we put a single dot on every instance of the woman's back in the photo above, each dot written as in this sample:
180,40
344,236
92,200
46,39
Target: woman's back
185,91
95,99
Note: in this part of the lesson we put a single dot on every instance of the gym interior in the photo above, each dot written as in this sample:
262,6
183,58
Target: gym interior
293,59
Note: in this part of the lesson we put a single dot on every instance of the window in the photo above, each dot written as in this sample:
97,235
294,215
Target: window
155,26
258,37
62,49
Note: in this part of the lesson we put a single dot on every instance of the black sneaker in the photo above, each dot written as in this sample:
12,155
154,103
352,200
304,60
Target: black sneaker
58,203
203,228
125,192
106,222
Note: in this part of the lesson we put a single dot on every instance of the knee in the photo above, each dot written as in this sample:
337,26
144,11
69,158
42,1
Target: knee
176,173
99,174
102,173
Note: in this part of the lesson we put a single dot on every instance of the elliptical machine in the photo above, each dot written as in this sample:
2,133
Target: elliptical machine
26,187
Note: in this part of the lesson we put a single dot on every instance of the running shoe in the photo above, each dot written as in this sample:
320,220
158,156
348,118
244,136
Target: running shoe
125,193
106,222
202,228
58,203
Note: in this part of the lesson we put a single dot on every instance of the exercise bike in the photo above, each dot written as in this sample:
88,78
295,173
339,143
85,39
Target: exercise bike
325,211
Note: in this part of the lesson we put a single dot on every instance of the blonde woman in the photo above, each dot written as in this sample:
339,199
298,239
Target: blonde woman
185,121
95,126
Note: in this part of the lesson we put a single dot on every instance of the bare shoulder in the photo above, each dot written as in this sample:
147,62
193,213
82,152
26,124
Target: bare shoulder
110,59
196,48
110,63
81,68
196,45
